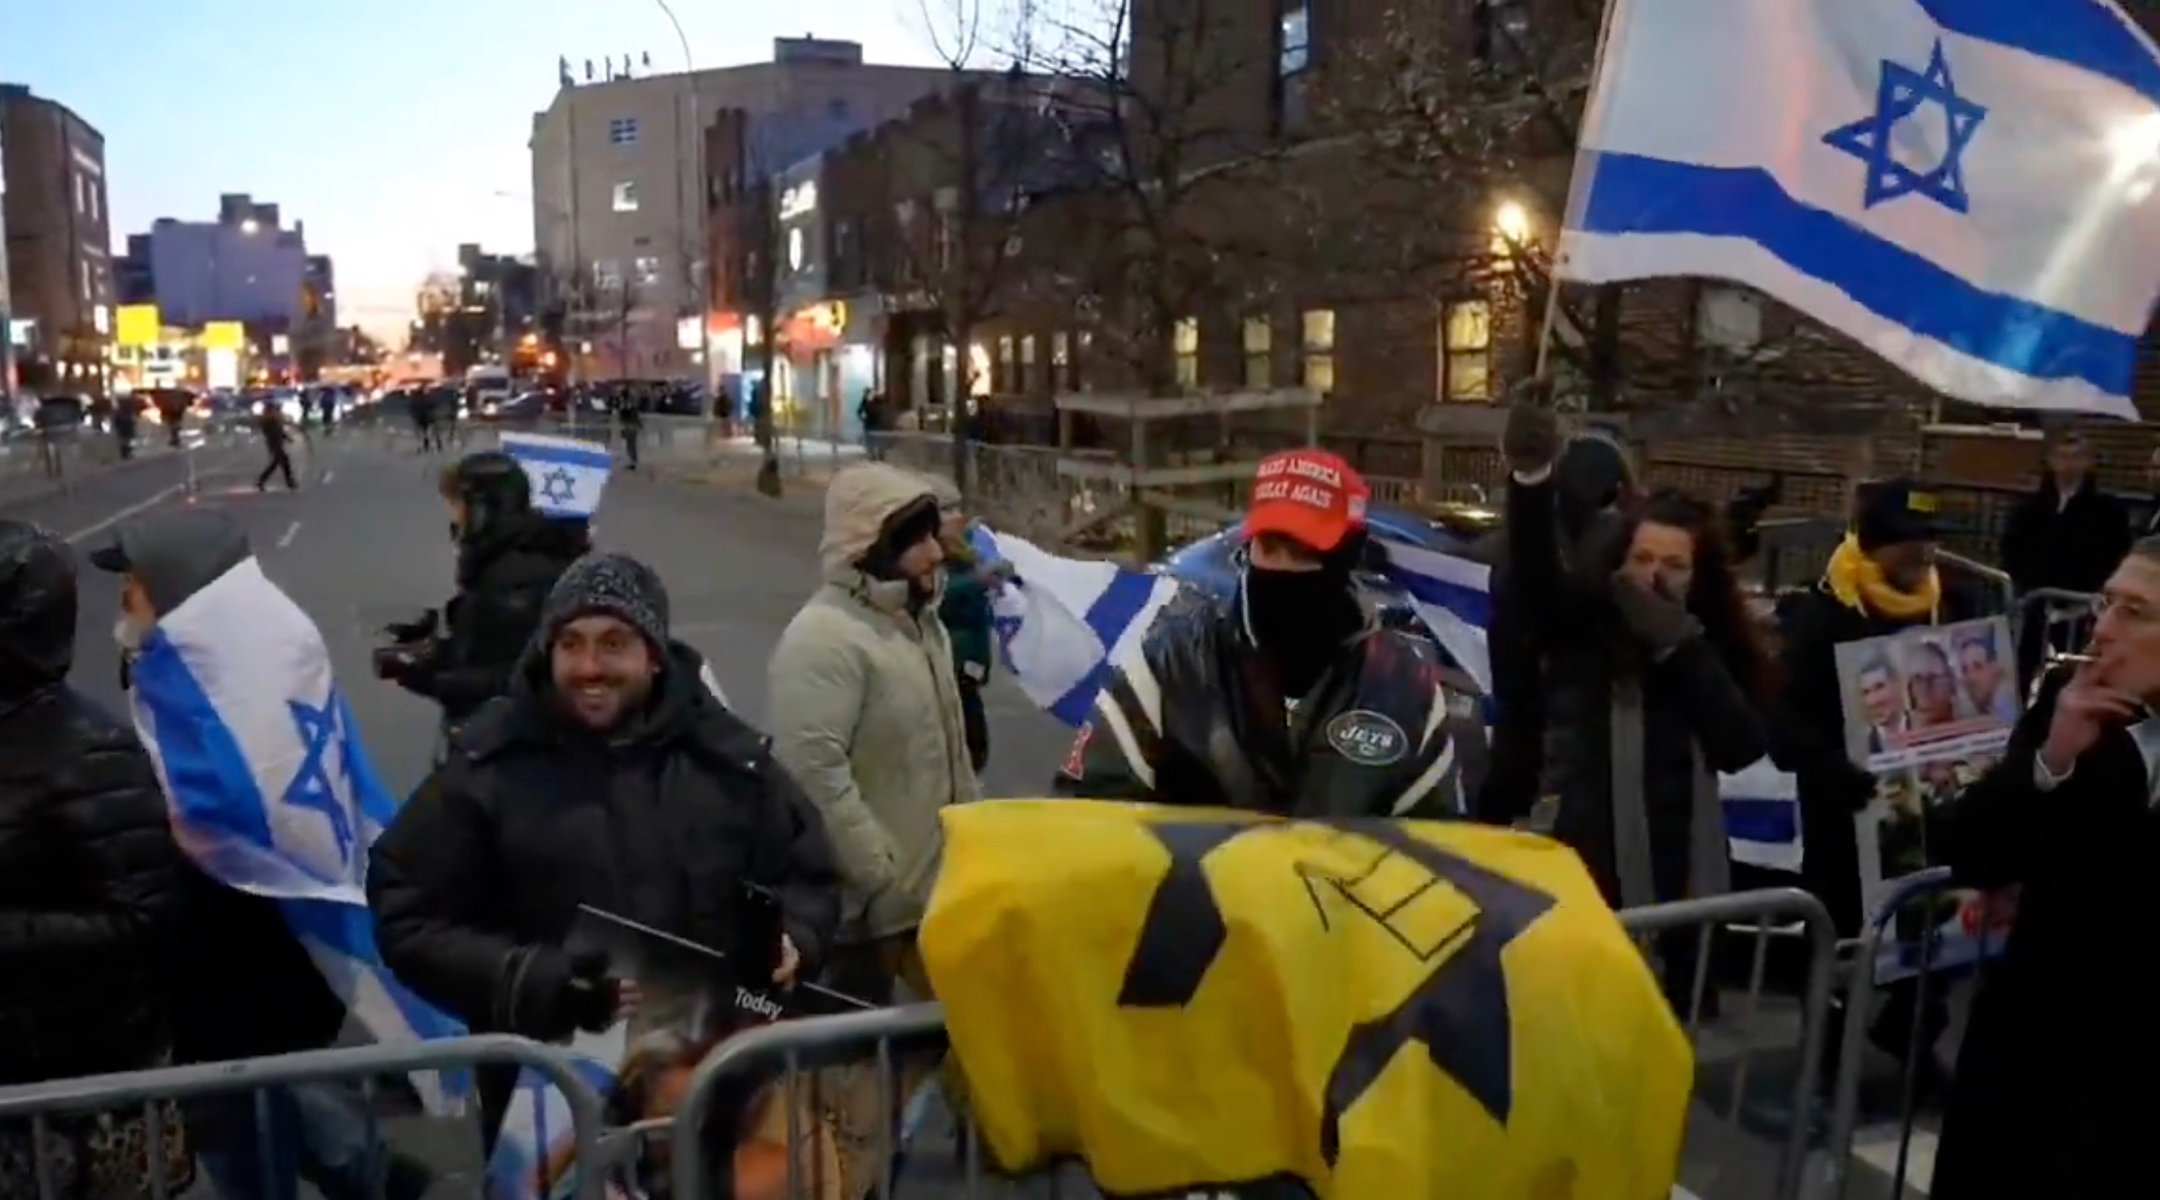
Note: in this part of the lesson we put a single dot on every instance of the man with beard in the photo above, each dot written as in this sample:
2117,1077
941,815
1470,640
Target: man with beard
866,714
509,557
609,777
1287,697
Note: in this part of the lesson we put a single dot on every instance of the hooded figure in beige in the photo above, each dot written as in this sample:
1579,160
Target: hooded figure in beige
865,710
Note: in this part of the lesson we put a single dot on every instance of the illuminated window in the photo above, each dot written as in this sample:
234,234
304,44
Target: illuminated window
622,131
648,270
1293,62
625,199
1027,363
1005,377
1466,352
1259,353
1082,345
1317,341
607,273
1185,350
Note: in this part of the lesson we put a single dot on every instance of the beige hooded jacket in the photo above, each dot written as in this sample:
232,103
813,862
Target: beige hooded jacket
865,713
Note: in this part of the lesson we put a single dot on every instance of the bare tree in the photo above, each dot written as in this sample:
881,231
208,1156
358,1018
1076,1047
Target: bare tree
587,305
1168,159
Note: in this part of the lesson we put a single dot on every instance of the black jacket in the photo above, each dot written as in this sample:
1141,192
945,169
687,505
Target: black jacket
1807,735
1195,718
89,873
1573,640
481,874
2054,1092
505,572
2073,545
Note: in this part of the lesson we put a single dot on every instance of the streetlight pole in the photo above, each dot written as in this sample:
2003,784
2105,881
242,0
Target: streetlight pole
690,207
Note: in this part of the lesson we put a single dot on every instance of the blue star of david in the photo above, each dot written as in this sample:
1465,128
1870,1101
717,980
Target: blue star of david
1872,139
558,486
311,787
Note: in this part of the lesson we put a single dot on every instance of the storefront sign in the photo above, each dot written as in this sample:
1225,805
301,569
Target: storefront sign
797,200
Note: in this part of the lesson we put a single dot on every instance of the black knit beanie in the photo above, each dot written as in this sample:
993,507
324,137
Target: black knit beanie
612,584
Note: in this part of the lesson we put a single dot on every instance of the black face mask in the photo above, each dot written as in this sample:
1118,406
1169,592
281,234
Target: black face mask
1301,619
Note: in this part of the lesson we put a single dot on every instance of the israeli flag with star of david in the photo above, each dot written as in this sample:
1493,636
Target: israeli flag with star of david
269,788
1966,187
567,474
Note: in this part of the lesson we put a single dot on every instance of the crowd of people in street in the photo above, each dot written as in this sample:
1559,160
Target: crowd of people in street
588,762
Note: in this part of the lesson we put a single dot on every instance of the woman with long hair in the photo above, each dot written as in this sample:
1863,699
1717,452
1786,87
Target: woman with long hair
1655,678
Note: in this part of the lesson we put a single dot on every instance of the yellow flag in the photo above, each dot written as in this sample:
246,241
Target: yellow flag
1194,998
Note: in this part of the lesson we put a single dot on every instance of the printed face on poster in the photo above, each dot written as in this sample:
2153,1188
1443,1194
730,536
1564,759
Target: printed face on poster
1928,710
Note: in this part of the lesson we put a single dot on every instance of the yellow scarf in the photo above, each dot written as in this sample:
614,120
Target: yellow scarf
1858,583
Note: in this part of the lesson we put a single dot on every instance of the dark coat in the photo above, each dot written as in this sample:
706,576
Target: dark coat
505,572
1574,637
476,883
2073,545
2054,1093
1807,735
89,873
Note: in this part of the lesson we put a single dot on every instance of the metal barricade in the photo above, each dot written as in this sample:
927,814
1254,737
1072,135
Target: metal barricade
807,1054
1764,917
1930,892
156,1090
2062,620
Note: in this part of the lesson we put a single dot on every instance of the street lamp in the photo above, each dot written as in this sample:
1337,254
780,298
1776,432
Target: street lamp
1512,222
250,227
688,204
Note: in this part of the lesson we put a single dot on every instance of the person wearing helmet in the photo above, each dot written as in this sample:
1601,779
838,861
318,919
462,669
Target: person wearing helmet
509,557
1287,697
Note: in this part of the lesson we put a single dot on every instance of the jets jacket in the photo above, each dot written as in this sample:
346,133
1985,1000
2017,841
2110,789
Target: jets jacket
1193,716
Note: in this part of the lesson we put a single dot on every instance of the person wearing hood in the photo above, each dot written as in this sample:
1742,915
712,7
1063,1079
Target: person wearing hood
90,888
608,776
1287,697
2068,535
967,614
509,558
866,713
240,983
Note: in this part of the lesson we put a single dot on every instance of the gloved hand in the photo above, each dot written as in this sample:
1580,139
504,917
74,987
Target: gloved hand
1531,440
560,994
418,630
1660,624
409,665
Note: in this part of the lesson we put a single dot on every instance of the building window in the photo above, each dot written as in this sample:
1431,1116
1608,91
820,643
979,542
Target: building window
607,274
648,270
1466,352
1498,29
1061,375
1002,381
1185,352
622,131
1027,363
625,199
1317,341
1293,62
1083,346
1259,353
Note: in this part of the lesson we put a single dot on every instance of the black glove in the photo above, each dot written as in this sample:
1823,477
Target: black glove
1857,784
1531,440
559,994
409,664
418,630
1660,624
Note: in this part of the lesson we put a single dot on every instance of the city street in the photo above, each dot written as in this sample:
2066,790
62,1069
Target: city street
364,542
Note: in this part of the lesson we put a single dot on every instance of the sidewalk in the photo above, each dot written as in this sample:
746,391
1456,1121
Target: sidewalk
731,464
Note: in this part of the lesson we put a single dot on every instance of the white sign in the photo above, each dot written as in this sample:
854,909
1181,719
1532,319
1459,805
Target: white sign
798,200
794,249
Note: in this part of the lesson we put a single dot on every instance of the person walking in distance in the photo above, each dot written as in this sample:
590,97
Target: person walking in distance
277,439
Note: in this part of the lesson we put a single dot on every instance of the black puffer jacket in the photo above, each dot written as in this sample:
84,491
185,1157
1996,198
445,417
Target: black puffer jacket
476,884
88,869
505,571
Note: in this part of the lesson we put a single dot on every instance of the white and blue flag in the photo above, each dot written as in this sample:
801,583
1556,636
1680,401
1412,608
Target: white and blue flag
567,474
1963,186
1062,621
269,788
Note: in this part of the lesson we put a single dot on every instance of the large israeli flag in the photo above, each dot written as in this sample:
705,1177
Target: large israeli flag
567,474
269,788
1964,186
1061,620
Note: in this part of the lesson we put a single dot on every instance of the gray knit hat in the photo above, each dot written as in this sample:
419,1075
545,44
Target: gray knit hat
612,584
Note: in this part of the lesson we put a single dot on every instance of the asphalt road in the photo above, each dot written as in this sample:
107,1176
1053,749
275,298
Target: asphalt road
364,542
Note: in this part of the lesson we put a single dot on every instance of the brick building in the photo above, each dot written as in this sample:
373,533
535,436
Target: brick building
58,242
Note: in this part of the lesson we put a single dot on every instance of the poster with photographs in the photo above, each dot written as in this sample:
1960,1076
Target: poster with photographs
1927,711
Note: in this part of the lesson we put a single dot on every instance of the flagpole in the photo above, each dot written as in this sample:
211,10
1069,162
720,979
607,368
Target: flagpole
1577,190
